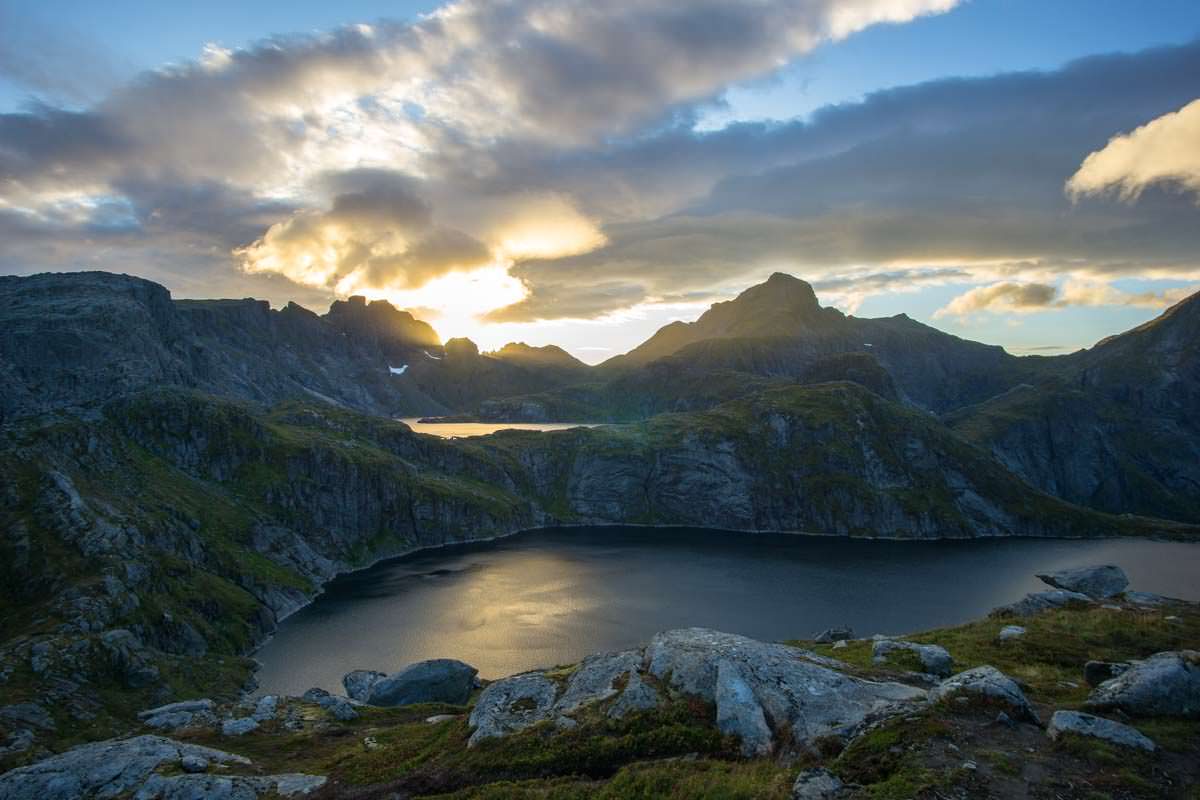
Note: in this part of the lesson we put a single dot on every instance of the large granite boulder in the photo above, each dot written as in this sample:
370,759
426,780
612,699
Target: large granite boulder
1079,724
934,659
440,680
1036,602
801,695
1165,684
739,713
1099,582
512,704
515,703
360,682
989,685
130,768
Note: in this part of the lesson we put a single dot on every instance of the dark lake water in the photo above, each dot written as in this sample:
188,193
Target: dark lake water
551,597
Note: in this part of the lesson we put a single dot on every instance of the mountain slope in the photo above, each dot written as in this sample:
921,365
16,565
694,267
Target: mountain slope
1117,428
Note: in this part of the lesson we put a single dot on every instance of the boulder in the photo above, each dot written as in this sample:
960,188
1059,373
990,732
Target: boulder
816,784
338,707
238,727
440,680
1010,632
512,704
1099,582
30,714
130,658
1080,724
113,768
360,682
182,707
990,685
193,764
1147,599
739,713
1097,672
834,635
266,707
232,787
597,678
1040,601
637,696
802,695
934,659
1165,684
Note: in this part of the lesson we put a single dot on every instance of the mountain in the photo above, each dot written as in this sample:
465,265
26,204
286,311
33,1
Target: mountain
73,341
1115,427
781,306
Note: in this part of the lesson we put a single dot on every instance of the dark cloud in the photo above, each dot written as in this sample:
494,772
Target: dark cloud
958,175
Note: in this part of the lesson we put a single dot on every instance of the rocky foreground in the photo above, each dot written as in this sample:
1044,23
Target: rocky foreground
1085,690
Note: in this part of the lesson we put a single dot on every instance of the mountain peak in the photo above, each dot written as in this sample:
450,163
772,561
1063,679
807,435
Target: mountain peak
380,320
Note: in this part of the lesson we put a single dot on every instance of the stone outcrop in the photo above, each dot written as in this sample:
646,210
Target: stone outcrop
987,685
934,658
1165,684
1097,583
439,680
129,768
1036,602
1079,724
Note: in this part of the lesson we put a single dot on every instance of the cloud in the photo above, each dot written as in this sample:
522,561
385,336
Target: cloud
1165,150
925,183
476,104
1030,297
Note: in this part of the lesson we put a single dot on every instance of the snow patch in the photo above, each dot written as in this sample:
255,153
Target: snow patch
431,355
400,370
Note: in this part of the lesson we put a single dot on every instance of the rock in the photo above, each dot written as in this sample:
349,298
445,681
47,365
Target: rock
1097,672
339,707
1147,599
28,714
739,713
1100,582
193,764
816,784
184,706
113,768
238,727
934,658
266,708
839,644
371,744
1010,632
596,677
1080,724
510,705
440,680
988,684
359,683
1004,719
801,696
315,694
1040,601
130,658
233,787
637,696
1165,684
437,719
834,635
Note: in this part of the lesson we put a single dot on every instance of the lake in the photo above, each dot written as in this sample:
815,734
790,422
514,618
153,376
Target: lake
456,430
551,597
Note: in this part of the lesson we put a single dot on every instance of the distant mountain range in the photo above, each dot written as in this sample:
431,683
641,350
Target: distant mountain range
1113,427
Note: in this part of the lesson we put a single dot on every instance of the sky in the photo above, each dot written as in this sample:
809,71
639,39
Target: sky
580,173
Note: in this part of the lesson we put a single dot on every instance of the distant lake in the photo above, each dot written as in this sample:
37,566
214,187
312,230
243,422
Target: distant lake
551,597
454,430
